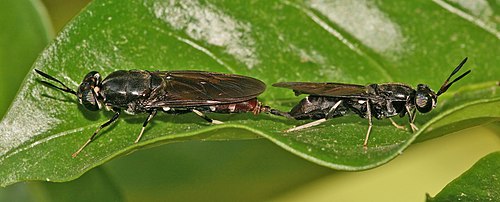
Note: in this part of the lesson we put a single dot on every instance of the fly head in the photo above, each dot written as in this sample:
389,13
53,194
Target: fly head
425,98
88,91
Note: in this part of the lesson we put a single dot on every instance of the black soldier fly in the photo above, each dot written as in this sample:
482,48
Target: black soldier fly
330,100
173,92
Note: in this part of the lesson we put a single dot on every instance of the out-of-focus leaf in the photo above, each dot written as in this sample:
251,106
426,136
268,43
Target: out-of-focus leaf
248,170
479,183
94,185
25,32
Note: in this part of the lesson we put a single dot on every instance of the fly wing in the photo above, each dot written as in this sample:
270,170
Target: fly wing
198,88
325,89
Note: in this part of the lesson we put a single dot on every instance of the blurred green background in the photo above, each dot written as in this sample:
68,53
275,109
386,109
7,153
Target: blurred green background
245,170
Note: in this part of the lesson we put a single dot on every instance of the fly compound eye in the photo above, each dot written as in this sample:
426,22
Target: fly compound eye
424,102
89,101
425,98
93,78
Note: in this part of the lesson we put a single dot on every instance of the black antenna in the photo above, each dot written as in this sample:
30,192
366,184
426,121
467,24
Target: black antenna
65,89
447,85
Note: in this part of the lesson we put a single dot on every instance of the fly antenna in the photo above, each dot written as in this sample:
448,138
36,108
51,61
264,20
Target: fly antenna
65,89
447,84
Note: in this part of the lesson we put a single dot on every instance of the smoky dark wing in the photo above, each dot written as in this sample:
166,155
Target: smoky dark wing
196,88
325,89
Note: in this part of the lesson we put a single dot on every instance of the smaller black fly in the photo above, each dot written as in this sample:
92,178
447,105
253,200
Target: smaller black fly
173,92
330,100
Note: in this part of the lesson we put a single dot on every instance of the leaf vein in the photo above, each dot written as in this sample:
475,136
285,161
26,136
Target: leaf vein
467,17
202,49
324,25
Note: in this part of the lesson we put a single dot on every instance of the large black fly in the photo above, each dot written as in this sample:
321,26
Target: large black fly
329,100
173,92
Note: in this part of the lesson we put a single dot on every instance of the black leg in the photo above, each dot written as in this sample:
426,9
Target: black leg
151,115
117,114
202,115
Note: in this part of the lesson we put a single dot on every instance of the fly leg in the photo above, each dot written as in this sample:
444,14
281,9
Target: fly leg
414,128
396,125
202,115
307,125
280,113
150,116
411,117
113,119
369,114
317,122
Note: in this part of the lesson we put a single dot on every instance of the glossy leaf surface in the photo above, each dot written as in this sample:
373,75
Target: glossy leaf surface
274,41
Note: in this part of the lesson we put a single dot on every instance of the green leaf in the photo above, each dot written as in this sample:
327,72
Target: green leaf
274,41
25,32
479,183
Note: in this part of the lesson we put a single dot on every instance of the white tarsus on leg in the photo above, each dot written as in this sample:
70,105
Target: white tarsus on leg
369,123
307,125
150,116
140,135
317,122
198,113
397,125
217,121
414,128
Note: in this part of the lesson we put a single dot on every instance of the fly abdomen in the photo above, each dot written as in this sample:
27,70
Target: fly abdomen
317,107
252,105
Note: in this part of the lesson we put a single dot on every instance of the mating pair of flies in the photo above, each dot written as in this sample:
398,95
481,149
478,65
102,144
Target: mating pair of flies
177,92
